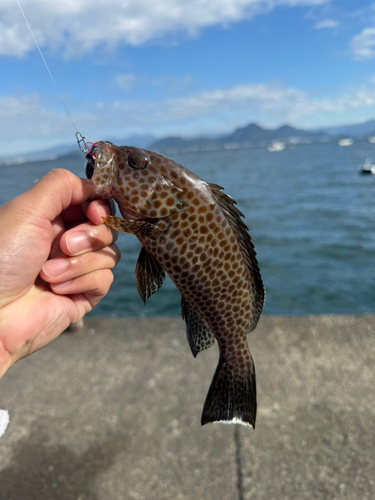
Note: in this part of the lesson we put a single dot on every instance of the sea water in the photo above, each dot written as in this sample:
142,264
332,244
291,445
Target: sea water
311,216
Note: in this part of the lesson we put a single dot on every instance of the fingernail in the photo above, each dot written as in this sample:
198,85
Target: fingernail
55,267
77,242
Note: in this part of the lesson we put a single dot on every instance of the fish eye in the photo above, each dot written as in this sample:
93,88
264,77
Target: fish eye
138,159
89,167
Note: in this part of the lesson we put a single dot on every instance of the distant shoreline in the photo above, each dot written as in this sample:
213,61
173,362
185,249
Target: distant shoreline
251,135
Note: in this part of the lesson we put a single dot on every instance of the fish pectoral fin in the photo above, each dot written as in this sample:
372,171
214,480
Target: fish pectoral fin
149,274
136,227
198,332
231,398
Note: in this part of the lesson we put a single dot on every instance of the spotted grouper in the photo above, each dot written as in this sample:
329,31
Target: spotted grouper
191,230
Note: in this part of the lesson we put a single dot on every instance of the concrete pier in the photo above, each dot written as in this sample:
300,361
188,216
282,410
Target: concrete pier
113,413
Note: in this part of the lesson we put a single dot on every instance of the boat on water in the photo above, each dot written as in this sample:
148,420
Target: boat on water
368,167
276,146
371,140
345,142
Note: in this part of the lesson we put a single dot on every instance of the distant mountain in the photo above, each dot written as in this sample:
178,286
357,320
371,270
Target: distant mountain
47,154
169,142
139,141
71,151
356,130
252,134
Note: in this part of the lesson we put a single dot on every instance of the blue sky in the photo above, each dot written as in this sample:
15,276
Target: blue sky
172,67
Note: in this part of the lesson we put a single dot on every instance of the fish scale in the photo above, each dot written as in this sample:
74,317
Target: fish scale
191,230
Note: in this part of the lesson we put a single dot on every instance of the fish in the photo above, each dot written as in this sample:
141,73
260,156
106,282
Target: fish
192,231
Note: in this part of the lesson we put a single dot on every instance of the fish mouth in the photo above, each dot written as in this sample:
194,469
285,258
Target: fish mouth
104,171
108,155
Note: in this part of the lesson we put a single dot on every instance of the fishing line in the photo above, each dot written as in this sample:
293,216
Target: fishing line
79,136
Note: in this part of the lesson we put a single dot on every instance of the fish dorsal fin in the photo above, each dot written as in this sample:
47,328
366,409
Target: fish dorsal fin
149,274
198,332
233,215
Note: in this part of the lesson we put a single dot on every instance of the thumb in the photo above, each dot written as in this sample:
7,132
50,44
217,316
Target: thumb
54,192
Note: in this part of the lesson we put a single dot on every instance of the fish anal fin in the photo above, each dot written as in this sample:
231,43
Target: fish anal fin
231,398
234,218
198,333
149,275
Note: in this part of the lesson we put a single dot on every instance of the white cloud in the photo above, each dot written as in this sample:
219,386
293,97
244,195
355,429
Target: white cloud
326,23
78,27
28,113
126,81
31,125
363,44
268,102
36,127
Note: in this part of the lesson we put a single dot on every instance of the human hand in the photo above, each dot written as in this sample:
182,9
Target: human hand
56,257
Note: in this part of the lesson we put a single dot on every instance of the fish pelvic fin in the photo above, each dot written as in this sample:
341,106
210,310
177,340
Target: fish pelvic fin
231,398
149,274
198,333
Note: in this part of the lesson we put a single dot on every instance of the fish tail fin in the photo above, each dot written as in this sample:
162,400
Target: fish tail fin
231,398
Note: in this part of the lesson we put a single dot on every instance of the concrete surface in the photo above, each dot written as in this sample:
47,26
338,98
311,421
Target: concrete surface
114,413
